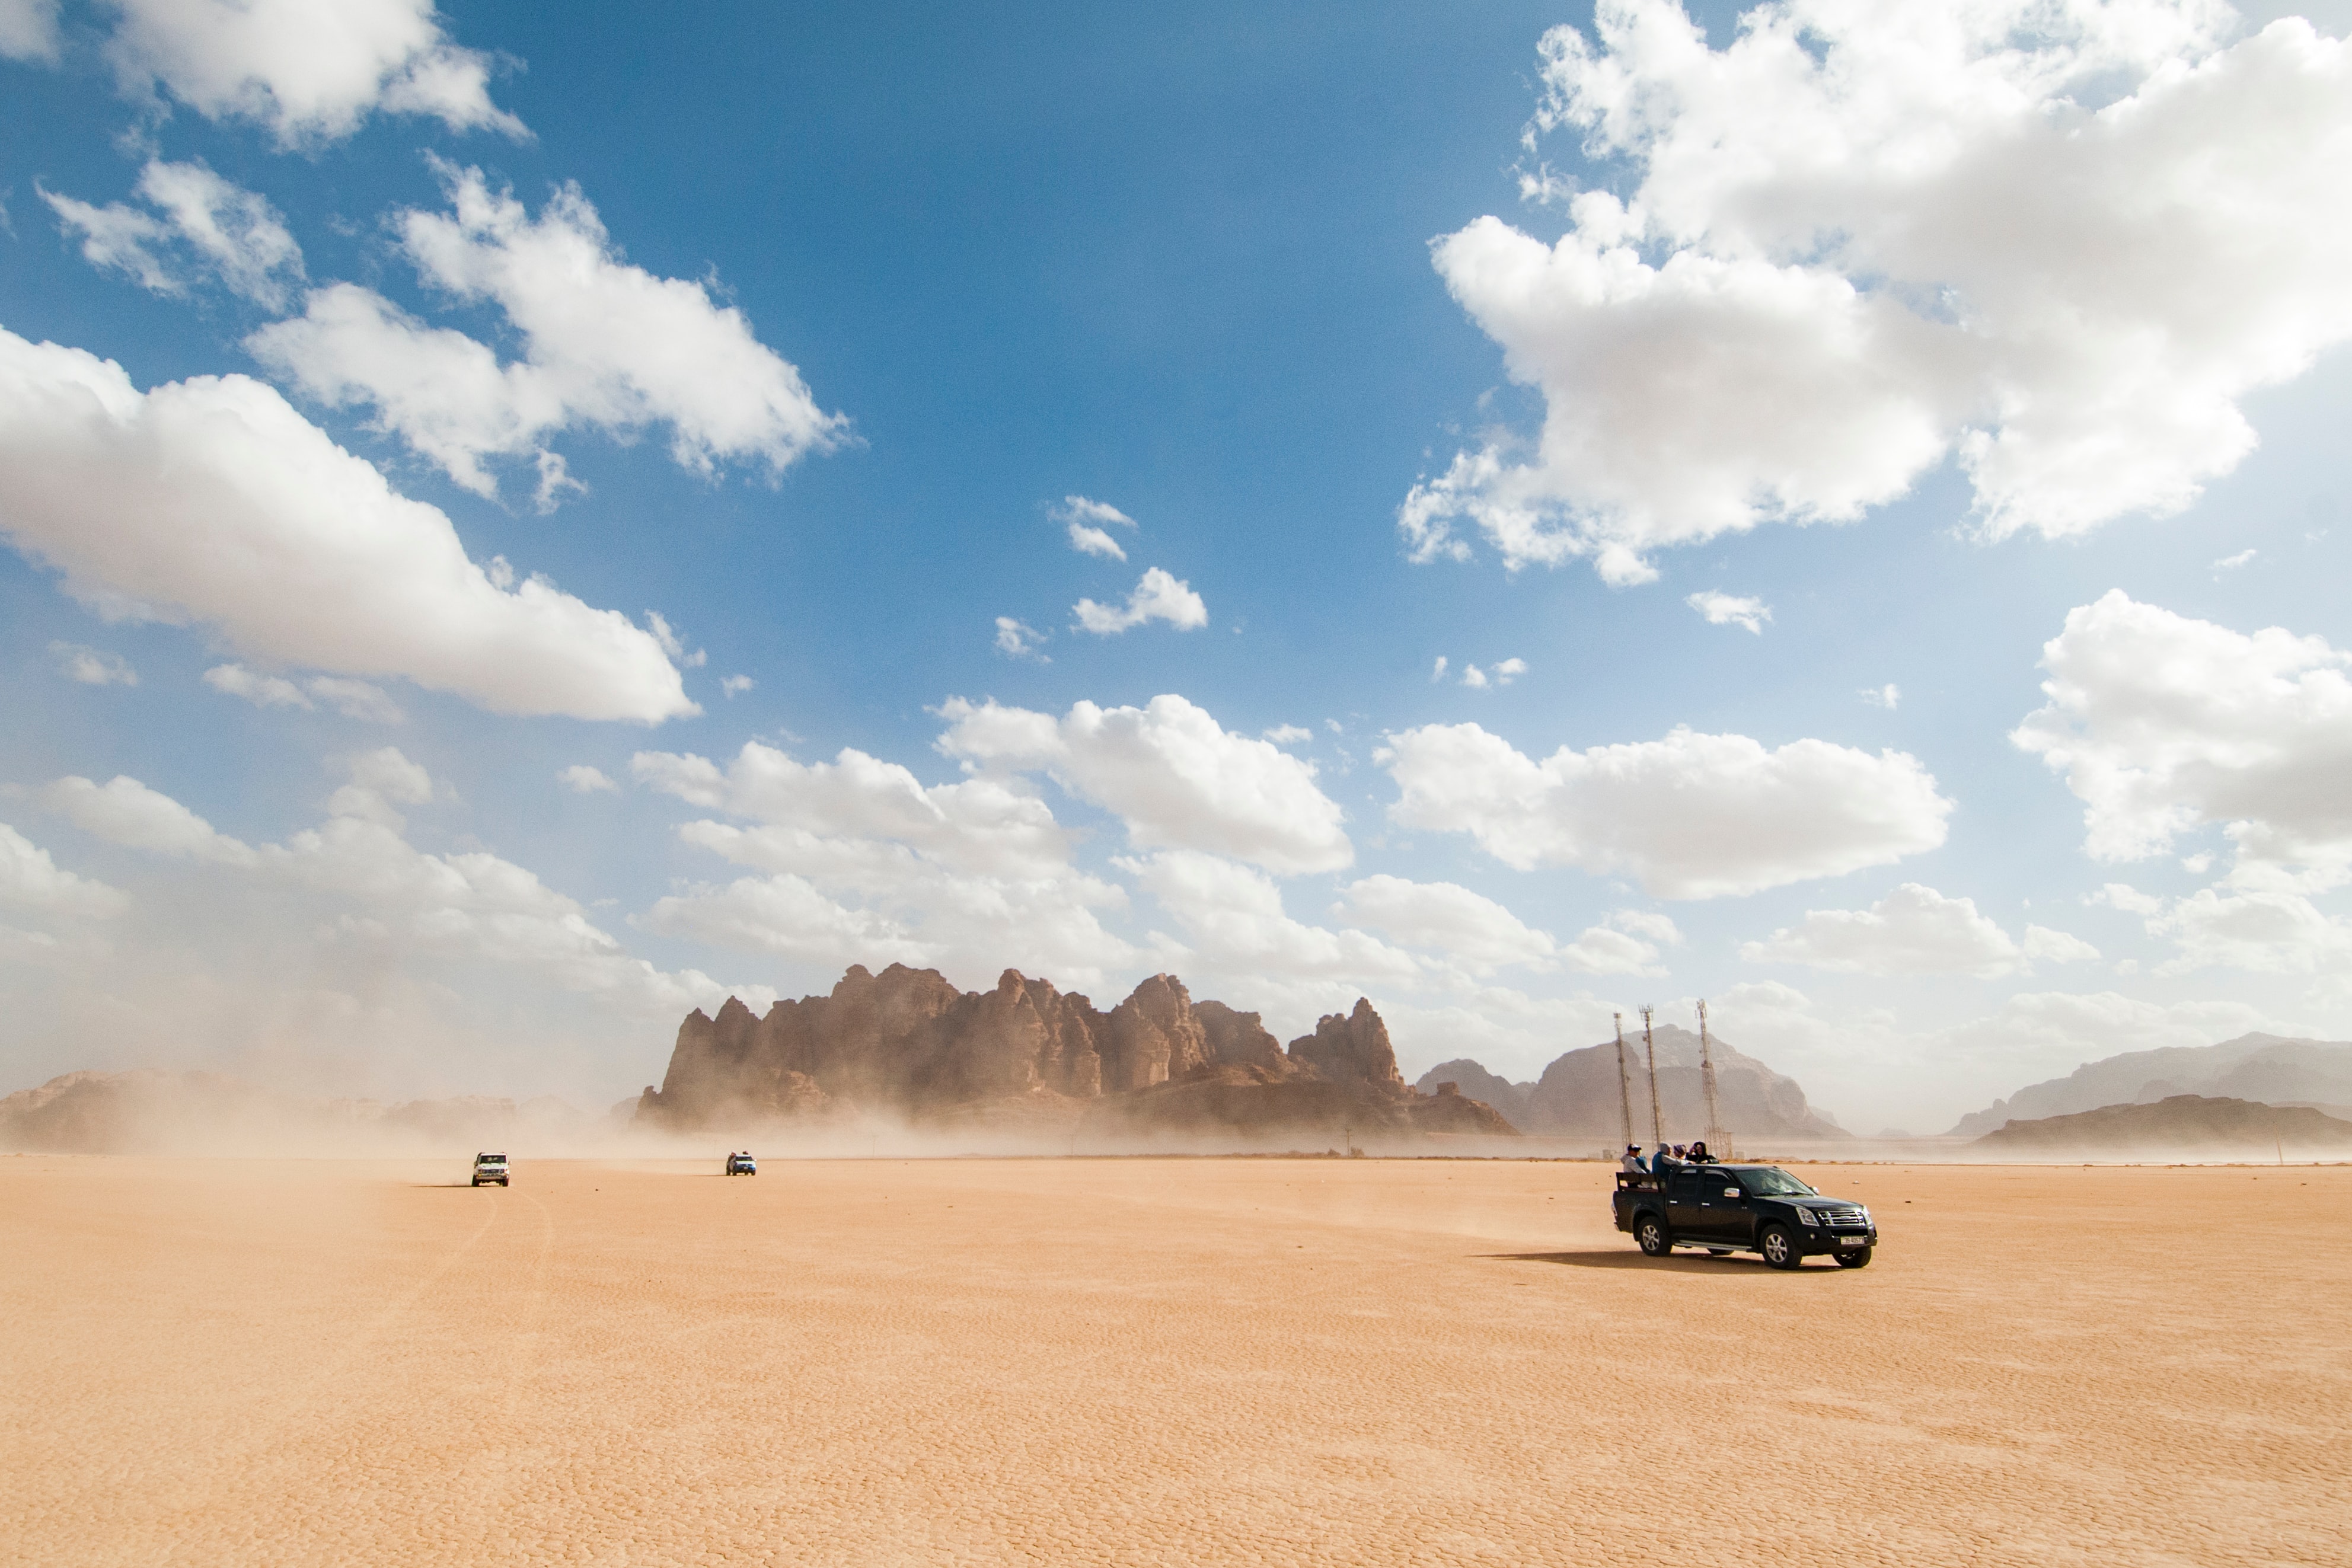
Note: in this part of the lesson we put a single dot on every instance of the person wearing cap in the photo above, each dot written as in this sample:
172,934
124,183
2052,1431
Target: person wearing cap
1632,1160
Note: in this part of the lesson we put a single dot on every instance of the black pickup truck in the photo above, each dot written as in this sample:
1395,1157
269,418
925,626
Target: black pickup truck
1742,1208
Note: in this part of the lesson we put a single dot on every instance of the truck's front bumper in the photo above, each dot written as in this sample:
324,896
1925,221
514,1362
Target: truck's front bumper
1824,1243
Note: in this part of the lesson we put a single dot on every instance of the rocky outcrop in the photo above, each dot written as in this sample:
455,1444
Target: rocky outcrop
905,1039
1352,1050
1469,1078
906,1043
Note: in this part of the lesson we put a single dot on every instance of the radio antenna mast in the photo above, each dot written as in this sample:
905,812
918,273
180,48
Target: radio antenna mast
1714,1139
1657,1119
1625,1087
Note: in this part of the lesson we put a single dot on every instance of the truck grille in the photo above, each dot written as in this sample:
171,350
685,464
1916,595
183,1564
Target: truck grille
1846,1217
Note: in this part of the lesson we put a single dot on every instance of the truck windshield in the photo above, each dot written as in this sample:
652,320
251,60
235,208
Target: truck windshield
1773,1182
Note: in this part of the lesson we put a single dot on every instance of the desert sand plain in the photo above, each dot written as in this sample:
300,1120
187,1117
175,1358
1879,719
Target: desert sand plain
1083,1361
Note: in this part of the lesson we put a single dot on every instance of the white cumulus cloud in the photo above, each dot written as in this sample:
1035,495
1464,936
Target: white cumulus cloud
212,500
28,29
396,901
2060,240
1501,674
209,228
1630,942
1019,639
1471,929
2161,725
1095,541
604,345
310,73
352,699
1175,776
1913,930
1234,924
863,864
1690,816
1090,523
1721,609
2265,930
30,878
1157,596
92,666
122,811
582,779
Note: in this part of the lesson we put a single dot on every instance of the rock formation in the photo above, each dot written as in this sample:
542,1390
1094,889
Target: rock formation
906,1043
2181,1123
1471,1079
1578,1095
2265,1067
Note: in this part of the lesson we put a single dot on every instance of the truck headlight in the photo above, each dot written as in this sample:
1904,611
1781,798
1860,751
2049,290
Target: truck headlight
1808,1217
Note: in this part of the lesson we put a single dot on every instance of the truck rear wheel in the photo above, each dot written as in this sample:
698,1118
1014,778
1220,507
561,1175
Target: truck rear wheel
1651,1232
1853,1257
1779,1247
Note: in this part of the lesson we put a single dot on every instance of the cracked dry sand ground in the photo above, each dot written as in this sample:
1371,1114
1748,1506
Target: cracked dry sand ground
1180,1361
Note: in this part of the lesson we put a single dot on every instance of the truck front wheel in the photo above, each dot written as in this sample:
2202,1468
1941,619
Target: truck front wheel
1853,1257
1779,1247
1651,1232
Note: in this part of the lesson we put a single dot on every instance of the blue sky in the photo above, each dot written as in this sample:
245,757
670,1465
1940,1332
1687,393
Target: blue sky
820,338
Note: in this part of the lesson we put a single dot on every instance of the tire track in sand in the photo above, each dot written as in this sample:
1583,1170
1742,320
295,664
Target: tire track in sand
266,1424
505,1469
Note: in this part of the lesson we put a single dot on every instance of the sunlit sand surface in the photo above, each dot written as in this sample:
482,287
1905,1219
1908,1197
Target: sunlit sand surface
1170,1361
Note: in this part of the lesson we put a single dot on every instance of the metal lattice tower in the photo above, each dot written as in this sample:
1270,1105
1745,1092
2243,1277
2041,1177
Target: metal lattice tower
1657,1117
1714,1139
1624,1085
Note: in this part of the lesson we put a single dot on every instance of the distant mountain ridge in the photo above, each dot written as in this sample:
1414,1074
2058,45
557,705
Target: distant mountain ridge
1578,1096
2272,1068
2180,1124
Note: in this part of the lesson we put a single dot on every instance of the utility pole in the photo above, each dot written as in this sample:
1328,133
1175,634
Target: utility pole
1624,1086
1716,1142
1649,1044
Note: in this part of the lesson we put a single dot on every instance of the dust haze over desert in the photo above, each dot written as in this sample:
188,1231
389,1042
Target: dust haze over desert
1179,668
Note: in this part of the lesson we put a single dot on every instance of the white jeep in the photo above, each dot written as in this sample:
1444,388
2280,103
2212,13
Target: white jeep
489,1168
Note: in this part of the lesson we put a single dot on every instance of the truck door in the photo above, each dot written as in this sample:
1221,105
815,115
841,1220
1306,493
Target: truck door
1685,1216
1724,1211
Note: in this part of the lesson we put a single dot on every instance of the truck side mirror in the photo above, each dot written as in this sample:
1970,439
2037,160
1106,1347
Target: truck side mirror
1731,1192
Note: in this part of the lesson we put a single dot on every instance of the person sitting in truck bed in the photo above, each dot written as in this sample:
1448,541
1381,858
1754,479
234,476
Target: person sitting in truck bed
1699,1157
1632,1160
1662,1161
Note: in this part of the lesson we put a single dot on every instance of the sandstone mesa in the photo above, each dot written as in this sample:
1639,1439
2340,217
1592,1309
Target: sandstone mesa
906,1043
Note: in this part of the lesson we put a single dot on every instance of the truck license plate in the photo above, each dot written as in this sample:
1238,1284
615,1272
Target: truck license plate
1850,1241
